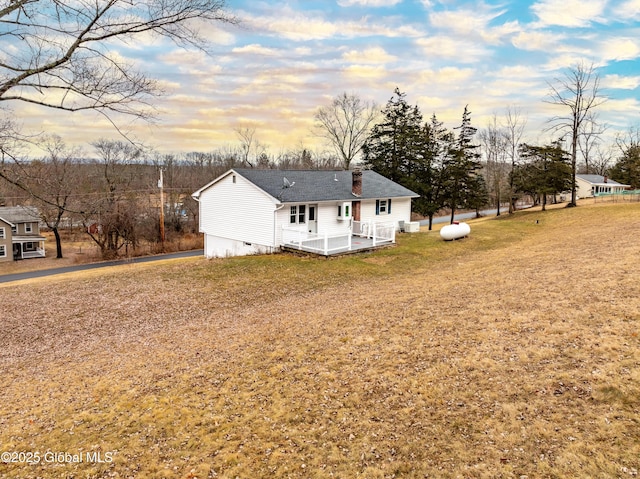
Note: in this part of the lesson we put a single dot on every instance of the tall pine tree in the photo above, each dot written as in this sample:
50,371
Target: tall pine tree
463,187
391,148
427,180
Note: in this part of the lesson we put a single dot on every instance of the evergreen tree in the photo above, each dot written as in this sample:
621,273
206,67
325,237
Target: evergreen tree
548,172
461,170
627,168
391,148
427,181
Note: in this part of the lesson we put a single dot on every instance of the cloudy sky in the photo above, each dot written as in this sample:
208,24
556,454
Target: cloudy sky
287,58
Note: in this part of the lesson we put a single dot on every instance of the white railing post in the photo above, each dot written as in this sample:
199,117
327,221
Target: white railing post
373,227
326,243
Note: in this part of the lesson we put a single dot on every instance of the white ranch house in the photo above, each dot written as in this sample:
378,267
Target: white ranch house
589,186
252,211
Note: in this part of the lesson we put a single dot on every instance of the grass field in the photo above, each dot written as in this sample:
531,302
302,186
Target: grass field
512,353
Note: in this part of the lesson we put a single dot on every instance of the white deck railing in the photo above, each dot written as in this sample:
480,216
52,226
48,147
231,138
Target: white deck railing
316,243
376,233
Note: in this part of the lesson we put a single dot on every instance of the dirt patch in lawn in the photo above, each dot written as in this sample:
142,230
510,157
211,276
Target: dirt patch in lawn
511,353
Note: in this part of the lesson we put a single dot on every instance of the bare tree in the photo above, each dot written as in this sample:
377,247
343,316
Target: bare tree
495,143
345,124
109,210
58,53
600,160
50,182
514,125
250,147
589,141
578,92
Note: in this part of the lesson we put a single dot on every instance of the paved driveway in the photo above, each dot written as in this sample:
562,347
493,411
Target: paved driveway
105,264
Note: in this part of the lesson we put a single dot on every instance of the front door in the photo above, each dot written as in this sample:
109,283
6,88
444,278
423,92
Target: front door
313,219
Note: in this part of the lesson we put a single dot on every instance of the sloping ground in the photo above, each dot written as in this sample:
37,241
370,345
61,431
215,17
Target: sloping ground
512,353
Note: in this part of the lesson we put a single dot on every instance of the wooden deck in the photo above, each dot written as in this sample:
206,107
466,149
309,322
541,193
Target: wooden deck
336,246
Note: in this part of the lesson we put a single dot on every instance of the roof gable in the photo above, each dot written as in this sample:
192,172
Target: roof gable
196,195
302,186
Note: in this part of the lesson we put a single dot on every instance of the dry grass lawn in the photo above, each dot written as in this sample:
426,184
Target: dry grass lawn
512,353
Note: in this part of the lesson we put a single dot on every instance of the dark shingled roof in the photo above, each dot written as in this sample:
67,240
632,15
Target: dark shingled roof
322,185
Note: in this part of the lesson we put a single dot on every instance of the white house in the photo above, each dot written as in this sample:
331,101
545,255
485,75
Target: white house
588,186
252,211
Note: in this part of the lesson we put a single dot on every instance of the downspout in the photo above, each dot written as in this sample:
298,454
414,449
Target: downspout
196,197
275,231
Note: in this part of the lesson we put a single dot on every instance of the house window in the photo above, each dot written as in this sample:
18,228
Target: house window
383,207
14,229
3,251
234,178
2,233
298,214
28,228
29,246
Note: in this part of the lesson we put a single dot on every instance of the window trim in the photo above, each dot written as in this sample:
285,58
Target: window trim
298,214
3,251
3,232
28,227
387,206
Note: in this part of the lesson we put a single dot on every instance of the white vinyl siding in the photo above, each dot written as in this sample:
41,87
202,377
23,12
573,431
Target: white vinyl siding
235,209
400,211
216,247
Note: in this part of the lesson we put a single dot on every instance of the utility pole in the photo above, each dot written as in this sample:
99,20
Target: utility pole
161,186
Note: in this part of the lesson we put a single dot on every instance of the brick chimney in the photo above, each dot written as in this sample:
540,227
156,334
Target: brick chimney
356,189
356,185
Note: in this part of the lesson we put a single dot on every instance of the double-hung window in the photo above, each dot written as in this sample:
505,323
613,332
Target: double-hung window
298,214
3,251
3,234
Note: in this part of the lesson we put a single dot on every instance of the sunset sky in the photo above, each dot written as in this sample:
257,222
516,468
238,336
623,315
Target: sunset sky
285,59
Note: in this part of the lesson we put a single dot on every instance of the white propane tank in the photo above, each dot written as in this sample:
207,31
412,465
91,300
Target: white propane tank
455,231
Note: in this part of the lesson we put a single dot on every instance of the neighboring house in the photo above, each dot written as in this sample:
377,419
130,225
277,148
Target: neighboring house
251,211
20,234
588,186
